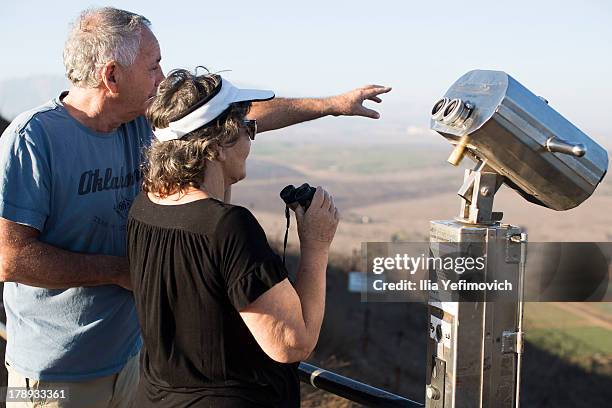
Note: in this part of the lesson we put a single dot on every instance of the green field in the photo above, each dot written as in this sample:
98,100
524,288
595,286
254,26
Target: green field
548,315
570,336
573,342
358,159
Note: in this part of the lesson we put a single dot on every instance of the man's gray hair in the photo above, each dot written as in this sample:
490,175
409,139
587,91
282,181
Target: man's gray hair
100,35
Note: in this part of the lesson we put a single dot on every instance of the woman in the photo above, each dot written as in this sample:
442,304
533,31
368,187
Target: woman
221,323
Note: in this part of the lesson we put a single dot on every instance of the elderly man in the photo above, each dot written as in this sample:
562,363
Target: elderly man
69,171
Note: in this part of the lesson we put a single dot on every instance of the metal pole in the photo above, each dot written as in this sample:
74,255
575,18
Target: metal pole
520,312
352,390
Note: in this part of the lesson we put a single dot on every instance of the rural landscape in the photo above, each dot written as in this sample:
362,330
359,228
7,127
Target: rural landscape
389,191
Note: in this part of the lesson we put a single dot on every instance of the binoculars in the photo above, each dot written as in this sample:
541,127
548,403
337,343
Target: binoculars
302,195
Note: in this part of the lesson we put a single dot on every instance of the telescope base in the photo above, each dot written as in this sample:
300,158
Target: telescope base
474,346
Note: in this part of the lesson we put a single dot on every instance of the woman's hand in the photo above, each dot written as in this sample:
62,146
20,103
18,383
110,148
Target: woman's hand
317,225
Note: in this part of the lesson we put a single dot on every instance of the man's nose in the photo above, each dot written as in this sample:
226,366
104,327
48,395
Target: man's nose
160,78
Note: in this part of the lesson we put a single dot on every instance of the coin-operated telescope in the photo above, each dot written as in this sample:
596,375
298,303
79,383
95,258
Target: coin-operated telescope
515,138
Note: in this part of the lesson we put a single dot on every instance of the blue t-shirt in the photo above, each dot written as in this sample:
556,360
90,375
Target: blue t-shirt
75,186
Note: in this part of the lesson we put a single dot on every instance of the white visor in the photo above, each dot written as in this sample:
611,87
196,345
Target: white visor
211,110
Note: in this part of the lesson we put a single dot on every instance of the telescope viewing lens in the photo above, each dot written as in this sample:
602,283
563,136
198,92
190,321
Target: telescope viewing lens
438,109
438,106
456,112
450,108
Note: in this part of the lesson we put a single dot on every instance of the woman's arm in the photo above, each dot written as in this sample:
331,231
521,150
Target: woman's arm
286,321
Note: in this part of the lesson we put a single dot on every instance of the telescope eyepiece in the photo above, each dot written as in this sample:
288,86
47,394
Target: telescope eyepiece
452,112
456,112
438,109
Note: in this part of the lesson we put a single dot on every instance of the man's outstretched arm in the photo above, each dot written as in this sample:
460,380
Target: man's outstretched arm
283,112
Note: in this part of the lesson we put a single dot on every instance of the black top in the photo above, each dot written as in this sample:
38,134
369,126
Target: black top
193,266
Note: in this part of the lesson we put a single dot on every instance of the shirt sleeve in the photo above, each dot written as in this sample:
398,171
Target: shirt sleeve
24,177
248,265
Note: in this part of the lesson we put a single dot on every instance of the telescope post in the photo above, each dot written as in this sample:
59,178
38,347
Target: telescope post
474,347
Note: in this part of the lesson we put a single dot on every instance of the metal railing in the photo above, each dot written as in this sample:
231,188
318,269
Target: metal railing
352,390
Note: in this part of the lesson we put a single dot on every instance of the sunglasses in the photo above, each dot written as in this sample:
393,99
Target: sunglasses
251,127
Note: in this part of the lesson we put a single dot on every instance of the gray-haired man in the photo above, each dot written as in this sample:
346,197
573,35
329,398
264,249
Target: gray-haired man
69,171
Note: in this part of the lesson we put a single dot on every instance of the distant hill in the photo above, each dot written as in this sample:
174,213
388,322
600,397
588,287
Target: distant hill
20,94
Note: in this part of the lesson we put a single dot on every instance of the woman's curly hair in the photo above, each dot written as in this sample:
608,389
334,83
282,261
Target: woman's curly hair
173,166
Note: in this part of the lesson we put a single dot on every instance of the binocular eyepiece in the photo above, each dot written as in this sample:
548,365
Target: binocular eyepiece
302,195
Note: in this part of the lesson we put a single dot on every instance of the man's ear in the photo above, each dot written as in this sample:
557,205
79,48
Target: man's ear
110,74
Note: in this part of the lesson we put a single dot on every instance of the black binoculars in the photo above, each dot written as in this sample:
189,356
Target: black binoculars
301,195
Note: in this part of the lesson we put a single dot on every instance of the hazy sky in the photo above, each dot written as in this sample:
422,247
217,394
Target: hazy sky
561,50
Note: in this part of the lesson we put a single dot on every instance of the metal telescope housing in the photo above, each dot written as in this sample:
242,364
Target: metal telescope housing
491,117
